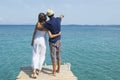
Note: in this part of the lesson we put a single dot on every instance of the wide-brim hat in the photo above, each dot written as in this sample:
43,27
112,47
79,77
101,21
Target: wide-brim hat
49,12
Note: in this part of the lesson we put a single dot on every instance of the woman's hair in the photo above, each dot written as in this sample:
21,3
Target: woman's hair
42,17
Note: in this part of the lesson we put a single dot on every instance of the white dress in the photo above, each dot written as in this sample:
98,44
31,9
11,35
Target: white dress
39,49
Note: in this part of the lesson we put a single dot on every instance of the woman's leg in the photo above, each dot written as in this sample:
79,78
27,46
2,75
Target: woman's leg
34,74
35,59
42,56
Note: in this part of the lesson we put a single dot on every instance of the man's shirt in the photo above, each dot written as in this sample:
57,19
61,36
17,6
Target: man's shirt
54,25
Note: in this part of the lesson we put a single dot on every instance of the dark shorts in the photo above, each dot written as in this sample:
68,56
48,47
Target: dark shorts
55,50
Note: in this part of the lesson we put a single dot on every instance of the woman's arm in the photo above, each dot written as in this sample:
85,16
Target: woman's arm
53,35
39,27
34,35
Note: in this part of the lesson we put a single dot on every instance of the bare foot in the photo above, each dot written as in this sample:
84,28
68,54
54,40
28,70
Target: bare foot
38,72
58,71
34,75
52,74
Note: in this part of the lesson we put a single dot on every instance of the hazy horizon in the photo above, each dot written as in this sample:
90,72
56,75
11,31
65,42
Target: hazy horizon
61,24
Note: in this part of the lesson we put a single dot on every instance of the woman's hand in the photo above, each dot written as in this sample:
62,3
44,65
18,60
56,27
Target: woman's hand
32,44
59,33
53,35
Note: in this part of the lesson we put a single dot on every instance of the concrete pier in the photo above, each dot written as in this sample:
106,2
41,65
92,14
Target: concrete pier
65,73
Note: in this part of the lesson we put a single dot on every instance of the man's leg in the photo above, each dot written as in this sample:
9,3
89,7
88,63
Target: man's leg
58,55
54,68
53,56
59,63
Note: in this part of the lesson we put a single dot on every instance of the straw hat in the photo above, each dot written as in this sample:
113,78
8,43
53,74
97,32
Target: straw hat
50,12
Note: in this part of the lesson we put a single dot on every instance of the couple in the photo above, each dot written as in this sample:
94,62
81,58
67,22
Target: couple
53,28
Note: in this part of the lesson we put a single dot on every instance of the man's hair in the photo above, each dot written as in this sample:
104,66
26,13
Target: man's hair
42,17
51,16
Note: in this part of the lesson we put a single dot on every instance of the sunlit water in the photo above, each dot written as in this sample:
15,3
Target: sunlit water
93,51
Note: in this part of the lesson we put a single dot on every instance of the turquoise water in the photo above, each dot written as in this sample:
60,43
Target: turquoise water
93,51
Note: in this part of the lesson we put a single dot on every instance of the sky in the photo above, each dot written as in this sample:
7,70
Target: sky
80,12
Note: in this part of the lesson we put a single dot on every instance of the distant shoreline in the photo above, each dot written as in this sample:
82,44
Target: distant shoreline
62,25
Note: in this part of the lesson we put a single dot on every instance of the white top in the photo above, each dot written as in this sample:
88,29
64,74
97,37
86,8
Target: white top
40,37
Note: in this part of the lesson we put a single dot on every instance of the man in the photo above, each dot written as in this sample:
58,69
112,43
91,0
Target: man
54,25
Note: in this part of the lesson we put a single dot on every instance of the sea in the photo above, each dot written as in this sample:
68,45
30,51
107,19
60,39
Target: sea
92,50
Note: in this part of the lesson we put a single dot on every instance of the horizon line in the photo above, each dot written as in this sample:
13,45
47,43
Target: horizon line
67,24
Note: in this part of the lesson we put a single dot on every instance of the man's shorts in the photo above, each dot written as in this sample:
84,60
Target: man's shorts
55,50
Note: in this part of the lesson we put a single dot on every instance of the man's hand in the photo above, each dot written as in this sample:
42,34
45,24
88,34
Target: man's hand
61,16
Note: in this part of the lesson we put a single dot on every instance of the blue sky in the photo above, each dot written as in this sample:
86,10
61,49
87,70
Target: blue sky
100,12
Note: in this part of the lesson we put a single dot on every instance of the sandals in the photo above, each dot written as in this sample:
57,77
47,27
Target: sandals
38,72
34,75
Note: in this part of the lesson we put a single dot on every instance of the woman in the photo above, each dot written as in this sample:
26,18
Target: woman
39,45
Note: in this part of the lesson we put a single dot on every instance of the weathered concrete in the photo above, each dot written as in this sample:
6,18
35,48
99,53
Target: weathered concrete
65,73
